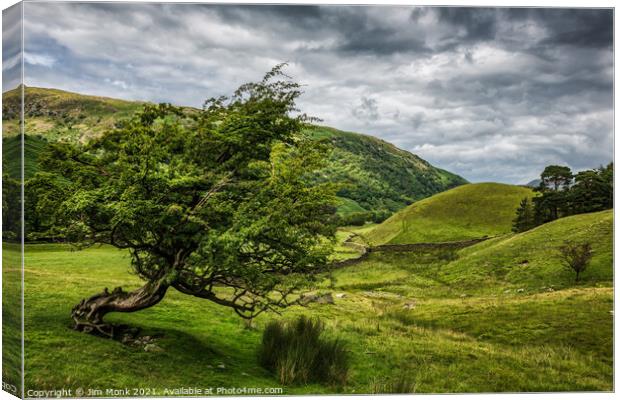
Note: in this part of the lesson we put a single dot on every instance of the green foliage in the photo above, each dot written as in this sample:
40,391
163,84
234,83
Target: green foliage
363,217
298,353
220,197
377,175
466,212
11,208
525,218
576,256
560,196
593,190
556,177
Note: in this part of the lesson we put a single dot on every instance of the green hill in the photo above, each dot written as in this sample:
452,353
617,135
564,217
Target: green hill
377,176
531,260
468,211
58,114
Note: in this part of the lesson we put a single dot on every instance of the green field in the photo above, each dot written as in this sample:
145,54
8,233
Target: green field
11,317
464,329
466,212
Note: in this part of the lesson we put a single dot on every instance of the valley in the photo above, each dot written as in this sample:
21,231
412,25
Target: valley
500,315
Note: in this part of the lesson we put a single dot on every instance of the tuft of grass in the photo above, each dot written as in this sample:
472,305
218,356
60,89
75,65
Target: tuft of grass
298,353
402,384
466,212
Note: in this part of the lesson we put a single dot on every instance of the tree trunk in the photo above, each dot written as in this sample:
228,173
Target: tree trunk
88,314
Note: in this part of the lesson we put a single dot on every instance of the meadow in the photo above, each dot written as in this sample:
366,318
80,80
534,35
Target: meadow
474,320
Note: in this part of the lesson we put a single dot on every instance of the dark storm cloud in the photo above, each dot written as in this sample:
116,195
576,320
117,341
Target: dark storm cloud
490,93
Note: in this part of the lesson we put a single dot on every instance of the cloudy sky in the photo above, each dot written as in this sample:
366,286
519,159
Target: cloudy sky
491,94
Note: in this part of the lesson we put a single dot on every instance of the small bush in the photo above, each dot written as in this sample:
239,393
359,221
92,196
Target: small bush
576,256
298,353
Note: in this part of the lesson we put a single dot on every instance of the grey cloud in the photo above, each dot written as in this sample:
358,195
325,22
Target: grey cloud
11,47
490,93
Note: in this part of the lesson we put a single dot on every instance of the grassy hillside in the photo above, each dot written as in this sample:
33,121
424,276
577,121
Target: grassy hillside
444,326
468,211
58,114
531,260
378,175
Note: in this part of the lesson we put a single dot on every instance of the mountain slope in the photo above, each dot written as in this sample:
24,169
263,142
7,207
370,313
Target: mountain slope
468,211
531,260
58,114
377,176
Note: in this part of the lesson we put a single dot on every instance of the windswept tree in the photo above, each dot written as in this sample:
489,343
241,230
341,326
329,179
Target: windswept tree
215,203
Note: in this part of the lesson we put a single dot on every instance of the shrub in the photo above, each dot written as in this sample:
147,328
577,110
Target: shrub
576,256
298,353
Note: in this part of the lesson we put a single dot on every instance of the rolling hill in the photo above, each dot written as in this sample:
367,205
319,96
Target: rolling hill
466,212
531,259
377,176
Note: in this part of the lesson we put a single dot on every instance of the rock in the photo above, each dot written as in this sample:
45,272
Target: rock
221,366
325,299
341,295
126,339
153,348
316,298
307,299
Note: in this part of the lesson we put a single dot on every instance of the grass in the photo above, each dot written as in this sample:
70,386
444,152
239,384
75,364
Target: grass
465,212
11,317
348,206
414,320
531,260
299,352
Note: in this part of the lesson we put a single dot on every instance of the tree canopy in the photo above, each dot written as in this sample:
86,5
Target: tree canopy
562,193
215,203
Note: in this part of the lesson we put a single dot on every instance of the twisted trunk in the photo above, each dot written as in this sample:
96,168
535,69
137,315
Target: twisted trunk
88,314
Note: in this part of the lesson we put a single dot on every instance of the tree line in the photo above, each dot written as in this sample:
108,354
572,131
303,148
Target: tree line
562,193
